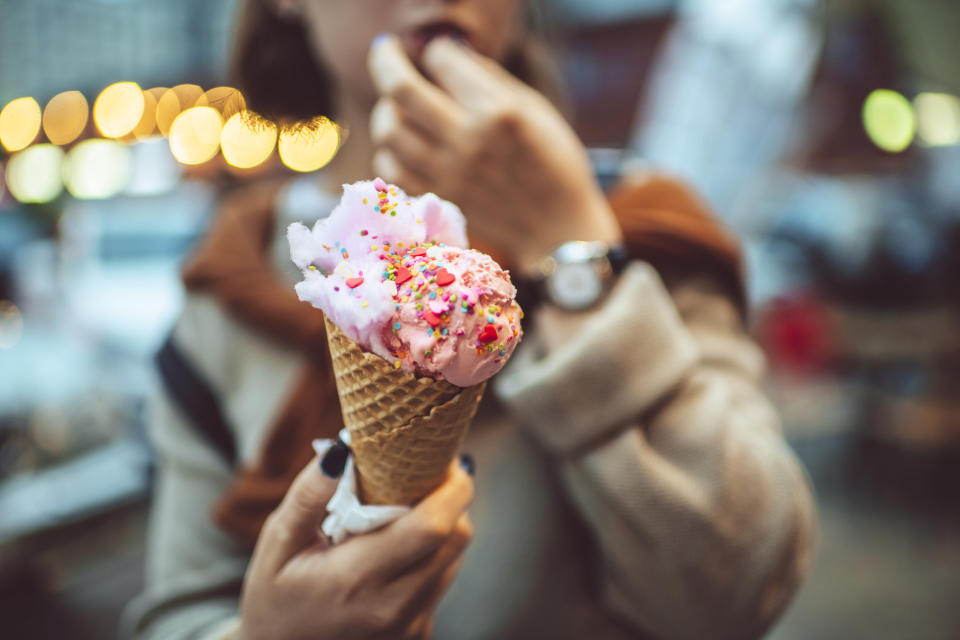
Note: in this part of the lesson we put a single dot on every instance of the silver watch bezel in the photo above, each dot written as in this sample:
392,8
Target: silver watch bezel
593,253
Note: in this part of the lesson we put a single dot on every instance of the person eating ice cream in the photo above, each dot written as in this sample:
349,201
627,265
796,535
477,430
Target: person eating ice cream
627,476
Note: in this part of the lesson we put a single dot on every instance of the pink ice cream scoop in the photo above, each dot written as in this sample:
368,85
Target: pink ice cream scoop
390,272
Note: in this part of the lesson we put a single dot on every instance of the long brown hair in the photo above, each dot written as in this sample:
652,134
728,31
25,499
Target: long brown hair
272,55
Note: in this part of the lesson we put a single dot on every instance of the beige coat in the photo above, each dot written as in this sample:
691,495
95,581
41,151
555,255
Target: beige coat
632,480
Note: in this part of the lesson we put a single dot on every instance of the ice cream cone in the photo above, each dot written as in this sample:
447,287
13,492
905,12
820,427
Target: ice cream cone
404,429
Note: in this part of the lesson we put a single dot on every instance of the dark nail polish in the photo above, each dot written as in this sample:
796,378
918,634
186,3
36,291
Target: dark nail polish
466,461
335,460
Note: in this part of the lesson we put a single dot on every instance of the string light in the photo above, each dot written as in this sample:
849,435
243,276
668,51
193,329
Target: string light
118,109
65,117
187,94
889,120
938,119
96,169
198,124
148,121
195,135
172,102
157,93
19,123
247,142
309,148
33,175
227,100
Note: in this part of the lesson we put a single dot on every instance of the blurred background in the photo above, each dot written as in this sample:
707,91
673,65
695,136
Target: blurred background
825,133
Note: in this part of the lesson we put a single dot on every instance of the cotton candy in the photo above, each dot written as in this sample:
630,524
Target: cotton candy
392,272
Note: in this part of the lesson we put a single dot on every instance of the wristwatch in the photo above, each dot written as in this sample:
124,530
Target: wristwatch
577,275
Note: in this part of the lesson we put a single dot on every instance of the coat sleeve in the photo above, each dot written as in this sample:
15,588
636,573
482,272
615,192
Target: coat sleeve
652,410
194,571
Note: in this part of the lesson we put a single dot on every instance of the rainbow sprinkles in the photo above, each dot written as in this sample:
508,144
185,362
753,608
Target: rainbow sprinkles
392,272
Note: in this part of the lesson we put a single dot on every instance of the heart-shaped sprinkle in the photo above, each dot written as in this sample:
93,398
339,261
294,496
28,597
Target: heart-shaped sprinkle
403,274
444,278
432,319
489,334
353,283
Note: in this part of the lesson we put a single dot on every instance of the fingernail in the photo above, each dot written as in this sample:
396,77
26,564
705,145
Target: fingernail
334,461
379,39
321,446
466,461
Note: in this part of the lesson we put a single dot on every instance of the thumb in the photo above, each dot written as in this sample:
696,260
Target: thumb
295,524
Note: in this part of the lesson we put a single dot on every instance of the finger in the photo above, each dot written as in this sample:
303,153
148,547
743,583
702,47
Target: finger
295,524
433,598
420,578
395,76
431,522
422,625
420,629
388,166
463,74
389,128
414,536
421,588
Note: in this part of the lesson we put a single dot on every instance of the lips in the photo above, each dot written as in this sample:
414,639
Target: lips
418,39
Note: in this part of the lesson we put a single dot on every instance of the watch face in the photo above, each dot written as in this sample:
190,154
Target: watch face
575,286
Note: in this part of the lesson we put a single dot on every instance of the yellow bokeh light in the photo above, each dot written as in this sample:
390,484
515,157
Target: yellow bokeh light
11,324
938,119
247,142
168,108
148,121
65,117
33,175
173,101
118,109
195,135
309,148
96,169
889,120
188,94
157,92
19,123
227,100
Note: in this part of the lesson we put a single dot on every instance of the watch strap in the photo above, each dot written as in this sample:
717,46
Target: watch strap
619,259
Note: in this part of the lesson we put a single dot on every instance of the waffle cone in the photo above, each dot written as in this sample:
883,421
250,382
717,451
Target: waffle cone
404,429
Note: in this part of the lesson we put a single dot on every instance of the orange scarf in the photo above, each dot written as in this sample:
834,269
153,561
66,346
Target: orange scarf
663,223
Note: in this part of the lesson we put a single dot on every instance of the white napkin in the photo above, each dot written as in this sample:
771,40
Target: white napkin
345,515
